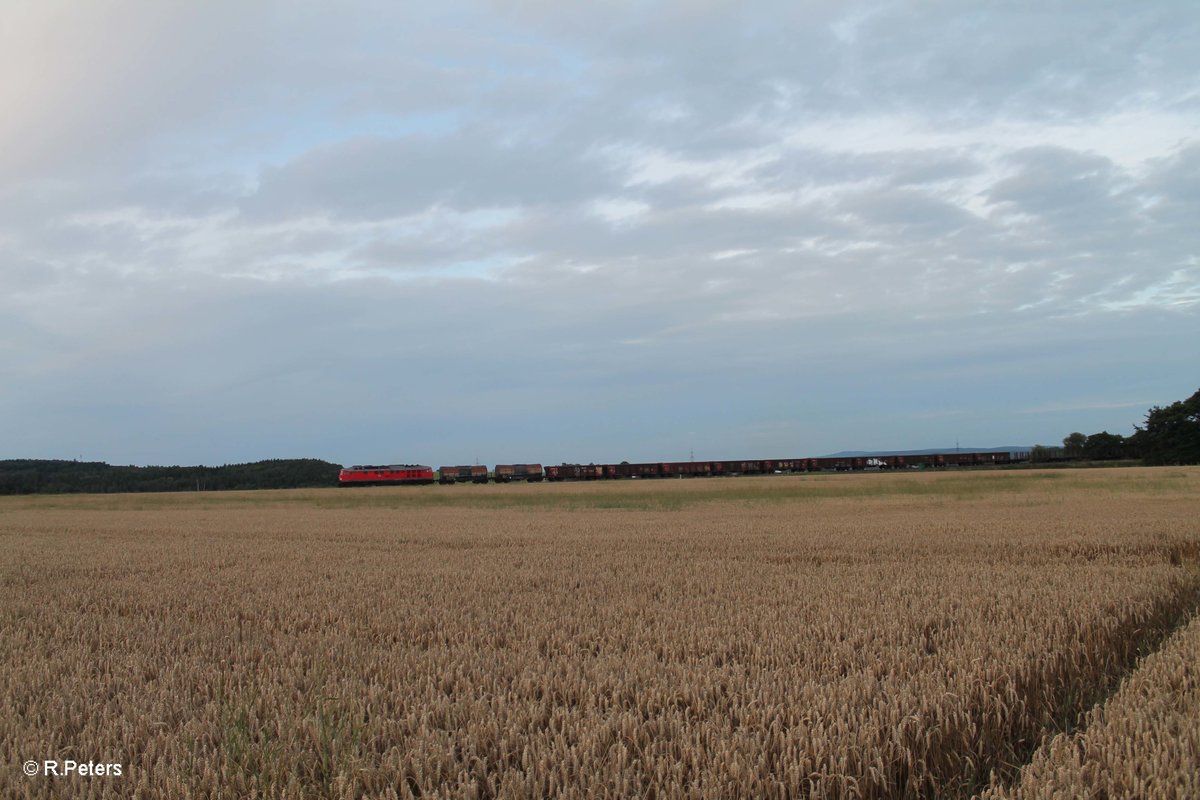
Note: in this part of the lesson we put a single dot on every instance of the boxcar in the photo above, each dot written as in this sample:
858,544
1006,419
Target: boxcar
507,473
462,474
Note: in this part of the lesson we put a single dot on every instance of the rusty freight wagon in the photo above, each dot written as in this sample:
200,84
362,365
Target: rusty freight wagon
564,472
507,473
627,470
576,472
689,469
462,474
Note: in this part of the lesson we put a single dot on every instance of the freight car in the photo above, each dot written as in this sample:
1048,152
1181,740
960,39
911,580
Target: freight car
575,472
507,473
472,474
385,475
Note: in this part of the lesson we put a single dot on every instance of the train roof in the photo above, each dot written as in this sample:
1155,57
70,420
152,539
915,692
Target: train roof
386,466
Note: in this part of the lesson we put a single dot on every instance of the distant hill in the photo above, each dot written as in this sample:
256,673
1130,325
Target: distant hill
39,476
929,452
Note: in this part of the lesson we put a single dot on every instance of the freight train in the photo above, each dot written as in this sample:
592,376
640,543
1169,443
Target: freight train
508,473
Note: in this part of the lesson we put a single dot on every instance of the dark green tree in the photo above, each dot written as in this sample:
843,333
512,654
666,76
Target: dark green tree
1074,443
46,476
1104,445
1171,434
1042,453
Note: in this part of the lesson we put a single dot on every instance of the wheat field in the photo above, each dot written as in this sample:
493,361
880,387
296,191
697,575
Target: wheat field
1011,634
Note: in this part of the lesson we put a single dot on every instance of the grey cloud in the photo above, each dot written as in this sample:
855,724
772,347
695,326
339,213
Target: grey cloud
1051,180
1172,191
688,232
1039,62
914,169
910,210
375,179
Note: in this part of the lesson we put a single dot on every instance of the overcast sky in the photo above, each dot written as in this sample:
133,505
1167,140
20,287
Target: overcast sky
534,231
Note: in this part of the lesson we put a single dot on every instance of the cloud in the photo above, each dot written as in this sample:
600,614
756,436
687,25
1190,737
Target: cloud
1089,406
584,231
375,179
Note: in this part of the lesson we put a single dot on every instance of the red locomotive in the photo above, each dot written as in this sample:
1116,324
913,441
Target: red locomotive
392,474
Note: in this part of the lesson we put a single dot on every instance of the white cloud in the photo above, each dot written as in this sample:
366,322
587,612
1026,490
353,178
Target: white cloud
619,210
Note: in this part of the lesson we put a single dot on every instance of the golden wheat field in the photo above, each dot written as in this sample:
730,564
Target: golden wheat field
1014,634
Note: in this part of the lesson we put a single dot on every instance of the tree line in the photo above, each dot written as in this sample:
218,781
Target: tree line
35,476
1170,435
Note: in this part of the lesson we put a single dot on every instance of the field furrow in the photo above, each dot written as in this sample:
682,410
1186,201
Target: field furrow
1144,742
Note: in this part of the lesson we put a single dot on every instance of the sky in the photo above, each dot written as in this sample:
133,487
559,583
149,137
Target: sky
518,231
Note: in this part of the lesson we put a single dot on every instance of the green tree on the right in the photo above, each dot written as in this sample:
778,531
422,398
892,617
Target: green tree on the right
1172,434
